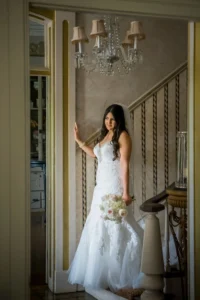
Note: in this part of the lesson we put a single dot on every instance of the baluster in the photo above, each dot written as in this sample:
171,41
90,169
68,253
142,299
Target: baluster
84,187
132,135
143,119
155,160
95,163
166,170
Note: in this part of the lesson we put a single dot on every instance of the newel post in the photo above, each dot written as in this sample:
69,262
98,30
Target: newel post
152,264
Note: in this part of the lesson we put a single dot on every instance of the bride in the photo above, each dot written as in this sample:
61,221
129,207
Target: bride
109,253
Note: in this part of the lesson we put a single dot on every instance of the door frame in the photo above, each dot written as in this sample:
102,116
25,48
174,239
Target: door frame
162,9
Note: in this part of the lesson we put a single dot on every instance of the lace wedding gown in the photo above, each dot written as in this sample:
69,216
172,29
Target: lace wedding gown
108,254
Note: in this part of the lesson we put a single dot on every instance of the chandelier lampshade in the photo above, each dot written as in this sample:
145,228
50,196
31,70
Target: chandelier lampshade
98,29
79,35
136,30
109,55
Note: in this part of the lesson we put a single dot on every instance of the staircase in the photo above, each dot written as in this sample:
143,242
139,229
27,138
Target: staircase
157,116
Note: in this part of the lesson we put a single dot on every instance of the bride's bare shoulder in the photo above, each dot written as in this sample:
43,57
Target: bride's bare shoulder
124,137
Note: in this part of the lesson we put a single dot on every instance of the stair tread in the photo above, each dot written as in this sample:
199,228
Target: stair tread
130,294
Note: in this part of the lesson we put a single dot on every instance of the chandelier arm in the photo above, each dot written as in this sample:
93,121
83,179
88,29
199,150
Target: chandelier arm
123,53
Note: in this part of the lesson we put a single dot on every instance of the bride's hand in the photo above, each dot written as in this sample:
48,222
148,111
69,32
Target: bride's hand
76,133
127,199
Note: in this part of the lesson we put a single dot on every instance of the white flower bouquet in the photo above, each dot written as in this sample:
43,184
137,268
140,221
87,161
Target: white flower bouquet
113,208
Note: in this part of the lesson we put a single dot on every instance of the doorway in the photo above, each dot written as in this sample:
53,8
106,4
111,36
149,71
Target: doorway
40,98
60,253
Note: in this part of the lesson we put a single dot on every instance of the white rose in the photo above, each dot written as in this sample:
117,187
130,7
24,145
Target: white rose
123,212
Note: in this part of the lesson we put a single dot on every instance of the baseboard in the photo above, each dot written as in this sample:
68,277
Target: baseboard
103,295
61,283
50,284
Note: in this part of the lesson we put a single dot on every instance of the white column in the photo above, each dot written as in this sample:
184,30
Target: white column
152,260
60,281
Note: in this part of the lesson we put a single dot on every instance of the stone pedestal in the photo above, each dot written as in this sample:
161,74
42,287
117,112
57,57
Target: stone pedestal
152,264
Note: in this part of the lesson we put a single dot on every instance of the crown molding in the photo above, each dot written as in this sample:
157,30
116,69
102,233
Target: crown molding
179,9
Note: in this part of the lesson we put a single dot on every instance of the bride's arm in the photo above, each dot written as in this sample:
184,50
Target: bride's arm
125,153
85,148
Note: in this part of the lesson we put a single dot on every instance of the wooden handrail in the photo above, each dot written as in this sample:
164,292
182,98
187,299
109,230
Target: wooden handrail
148,94
152,204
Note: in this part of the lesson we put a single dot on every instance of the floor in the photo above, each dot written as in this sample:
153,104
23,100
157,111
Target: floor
39,290
43,293
38,248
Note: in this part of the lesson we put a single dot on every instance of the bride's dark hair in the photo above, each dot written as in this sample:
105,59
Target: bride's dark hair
118,113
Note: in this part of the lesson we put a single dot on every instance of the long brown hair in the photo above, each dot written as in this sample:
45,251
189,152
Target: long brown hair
118,113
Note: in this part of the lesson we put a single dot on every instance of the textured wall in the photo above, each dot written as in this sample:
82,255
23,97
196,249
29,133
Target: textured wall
164,49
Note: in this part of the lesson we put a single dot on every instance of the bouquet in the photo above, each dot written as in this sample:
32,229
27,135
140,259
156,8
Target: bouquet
113,208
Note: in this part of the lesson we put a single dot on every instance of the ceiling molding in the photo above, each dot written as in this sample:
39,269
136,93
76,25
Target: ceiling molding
179,9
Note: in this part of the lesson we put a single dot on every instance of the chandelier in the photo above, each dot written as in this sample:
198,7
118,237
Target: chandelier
109,55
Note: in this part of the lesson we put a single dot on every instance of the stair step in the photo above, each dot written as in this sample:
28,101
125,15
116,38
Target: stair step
130,294
103,294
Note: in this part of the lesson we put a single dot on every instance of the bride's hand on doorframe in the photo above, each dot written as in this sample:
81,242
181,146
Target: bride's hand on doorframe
76,132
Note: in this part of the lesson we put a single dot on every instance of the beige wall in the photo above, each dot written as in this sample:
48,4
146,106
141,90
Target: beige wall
164,49
163,53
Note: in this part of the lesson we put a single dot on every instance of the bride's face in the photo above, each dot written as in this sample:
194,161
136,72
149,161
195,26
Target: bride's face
110,122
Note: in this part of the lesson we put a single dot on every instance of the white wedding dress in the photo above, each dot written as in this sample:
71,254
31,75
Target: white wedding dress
108,254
